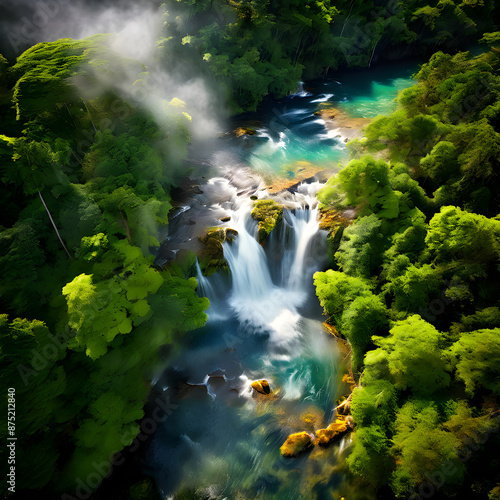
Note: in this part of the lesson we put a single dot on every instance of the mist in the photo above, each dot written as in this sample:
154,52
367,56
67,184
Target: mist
135,29
23,23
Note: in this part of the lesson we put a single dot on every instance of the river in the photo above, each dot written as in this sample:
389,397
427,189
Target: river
221,440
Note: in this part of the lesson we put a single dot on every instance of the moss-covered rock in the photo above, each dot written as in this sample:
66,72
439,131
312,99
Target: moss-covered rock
296,444
244,131
269,214
211,256
261,386
334,430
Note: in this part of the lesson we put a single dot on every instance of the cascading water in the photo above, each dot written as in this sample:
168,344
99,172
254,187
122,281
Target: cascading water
264,327
221,440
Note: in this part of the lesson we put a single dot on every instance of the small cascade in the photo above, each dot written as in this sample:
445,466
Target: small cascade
301,92
213,289
205,288
252,285
305,227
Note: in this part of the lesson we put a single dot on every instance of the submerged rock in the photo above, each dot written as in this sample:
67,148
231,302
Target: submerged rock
261,386
269,214
296,444
348,127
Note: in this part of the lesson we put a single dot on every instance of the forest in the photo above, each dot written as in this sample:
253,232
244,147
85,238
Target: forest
95,156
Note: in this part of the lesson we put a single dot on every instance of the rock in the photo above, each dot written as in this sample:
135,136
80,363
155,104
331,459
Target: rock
244,131
292,174
330,220
261,386
329,113
347,127
324,436
230,234
225,219
331,329
296,443
192,391
269,214
211,256
311,419
335,429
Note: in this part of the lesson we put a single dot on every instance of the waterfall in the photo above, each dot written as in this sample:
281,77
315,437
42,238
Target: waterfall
271,281
301,92
247,260
213,289
205,288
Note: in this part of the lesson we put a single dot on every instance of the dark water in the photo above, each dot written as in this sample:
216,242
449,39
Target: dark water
222,440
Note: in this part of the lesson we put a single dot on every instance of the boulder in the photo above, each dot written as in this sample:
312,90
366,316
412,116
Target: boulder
261,386
335,429
244,131
211,256
296,444
269,214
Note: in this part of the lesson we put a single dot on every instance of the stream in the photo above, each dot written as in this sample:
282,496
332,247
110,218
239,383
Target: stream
221,439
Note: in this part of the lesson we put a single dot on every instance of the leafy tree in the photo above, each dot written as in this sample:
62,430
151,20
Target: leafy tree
414,287
364,184
361,247
100,310
336,290
422,447
410,357
364,317
476,356
29,357
441,164
458,235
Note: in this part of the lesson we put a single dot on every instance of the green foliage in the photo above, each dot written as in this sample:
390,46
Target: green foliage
363,318
80,398
422,447
29,358
369,457
364,184
414,288
447,130
410,357
458,235
361,247
336,290
252,49
353,308
477,359
441,164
